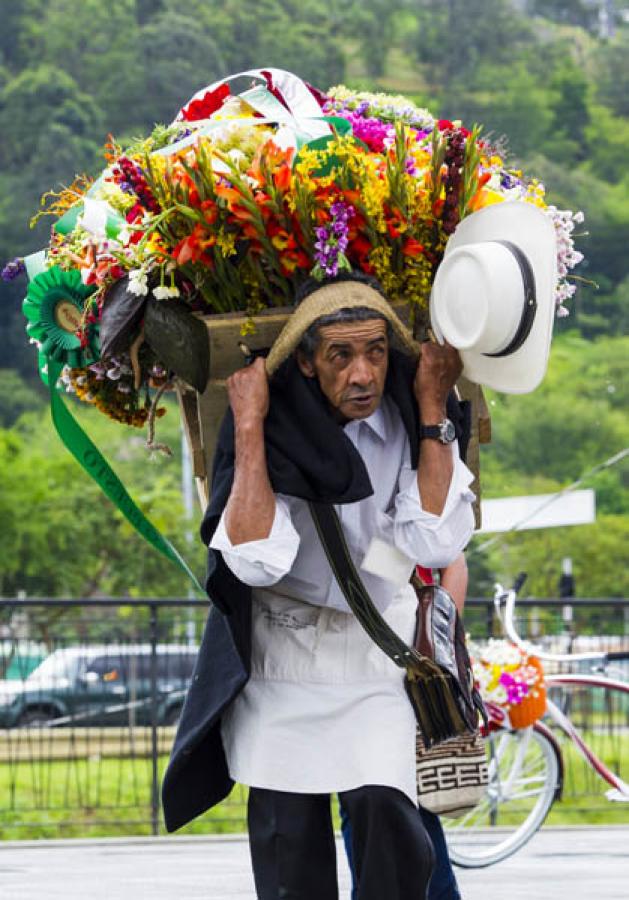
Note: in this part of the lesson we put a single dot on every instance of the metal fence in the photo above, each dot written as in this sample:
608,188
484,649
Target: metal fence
90,692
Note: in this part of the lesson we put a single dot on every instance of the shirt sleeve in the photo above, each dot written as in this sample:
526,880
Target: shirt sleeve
434,541
261,563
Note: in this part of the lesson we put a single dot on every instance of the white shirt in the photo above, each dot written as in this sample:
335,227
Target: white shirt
325,710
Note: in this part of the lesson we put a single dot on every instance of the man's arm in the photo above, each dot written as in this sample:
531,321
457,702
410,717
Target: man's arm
454,580
438,369
250,510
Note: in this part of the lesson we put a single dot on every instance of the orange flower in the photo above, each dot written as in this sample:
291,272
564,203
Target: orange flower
282,177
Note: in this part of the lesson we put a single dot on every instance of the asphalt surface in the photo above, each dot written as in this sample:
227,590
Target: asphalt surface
558,864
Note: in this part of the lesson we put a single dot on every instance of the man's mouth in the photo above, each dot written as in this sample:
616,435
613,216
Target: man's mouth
362,399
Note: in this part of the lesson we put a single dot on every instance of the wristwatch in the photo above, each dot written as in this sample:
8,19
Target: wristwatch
443,432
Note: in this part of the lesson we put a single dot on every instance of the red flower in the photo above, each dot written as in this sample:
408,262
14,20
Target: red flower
192,248
412,247
445,125
208,104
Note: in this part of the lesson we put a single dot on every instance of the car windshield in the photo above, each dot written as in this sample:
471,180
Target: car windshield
57,665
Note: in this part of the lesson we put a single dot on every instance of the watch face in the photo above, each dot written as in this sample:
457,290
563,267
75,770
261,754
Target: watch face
448,432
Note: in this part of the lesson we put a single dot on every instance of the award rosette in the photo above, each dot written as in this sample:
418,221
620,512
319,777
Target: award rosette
55,308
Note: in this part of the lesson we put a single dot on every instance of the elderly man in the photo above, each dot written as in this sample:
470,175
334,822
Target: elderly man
315,706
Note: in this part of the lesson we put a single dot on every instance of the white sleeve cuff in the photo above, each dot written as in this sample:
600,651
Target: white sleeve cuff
261,563
435,540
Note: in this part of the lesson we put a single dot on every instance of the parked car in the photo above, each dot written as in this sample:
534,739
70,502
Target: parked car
104,685
18,658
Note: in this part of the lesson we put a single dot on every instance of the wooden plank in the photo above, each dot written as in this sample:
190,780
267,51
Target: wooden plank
480,414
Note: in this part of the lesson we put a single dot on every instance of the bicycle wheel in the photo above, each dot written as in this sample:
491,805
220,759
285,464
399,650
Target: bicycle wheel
523,778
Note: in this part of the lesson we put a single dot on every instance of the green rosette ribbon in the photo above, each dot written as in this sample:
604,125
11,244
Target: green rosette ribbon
54,306
91,459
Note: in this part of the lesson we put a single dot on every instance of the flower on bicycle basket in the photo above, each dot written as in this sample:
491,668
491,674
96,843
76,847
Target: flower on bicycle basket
505,674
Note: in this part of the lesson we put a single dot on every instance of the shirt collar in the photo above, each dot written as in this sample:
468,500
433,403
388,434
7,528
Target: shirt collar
376,423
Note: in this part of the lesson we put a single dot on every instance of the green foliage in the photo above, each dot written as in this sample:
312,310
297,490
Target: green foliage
63,538
612,61
16,397
596,551
574,420
454,38
542,442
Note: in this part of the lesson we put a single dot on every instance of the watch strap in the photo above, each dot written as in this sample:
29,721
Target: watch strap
430,431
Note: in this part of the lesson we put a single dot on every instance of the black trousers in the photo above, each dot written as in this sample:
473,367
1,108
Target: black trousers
294,854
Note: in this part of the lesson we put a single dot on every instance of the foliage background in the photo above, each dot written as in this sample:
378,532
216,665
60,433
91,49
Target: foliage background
552,75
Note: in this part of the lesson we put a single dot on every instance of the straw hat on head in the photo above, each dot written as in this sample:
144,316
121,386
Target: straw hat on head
330,298
493,297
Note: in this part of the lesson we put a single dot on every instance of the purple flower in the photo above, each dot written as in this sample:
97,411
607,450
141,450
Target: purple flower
508,181
409,166
333,240
516,690
13,269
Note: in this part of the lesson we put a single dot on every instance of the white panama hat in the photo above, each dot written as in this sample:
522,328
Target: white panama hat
493,297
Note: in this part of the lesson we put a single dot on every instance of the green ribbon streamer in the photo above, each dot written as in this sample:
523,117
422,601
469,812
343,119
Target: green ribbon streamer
90,458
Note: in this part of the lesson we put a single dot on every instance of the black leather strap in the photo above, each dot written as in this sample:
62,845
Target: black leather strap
331,535
529,308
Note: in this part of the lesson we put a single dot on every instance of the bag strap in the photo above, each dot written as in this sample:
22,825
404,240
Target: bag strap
331,534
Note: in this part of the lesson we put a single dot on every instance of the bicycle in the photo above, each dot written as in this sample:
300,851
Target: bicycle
526,767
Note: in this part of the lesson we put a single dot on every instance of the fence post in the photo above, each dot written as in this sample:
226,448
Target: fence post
154,740
489,619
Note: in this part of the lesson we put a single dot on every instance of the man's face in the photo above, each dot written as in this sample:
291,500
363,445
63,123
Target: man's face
350,363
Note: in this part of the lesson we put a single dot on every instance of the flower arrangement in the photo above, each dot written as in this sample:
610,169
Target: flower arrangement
229,209
509,677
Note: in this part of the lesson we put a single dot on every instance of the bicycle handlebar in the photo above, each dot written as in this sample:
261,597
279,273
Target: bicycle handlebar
617,655
506,617
519,582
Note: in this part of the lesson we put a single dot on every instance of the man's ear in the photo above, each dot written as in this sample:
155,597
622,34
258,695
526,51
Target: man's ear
306,366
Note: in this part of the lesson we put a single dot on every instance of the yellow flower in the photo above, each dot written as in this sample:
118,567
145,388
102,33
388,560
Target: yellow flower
226,242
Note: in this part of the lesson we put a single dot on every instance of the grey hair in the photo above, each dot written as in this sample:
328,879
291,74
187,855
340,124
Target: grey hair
312,337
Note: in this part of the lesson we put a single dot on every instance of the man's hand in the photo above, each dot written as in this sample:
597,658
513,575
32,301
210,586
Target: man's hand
248,392
250,509
437,372
438,369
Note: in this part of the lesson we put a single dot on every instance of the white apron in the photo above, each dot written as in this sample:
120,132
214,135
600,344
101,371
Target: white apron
325,709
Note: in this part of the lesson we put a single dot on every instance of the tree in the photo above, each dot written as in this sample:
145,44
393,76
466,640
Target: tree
16,397
99,52
508,101
573,420
170,77
568,12
596,551
457,36
612,82
73,542
43,114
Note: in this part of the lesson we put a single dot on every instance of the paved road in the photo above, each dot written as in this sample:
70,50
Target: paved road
559,864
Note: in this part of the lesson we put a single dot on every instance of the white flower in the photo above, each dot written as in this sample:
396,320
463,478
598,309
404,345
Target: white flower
124,235
138,283
163,292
